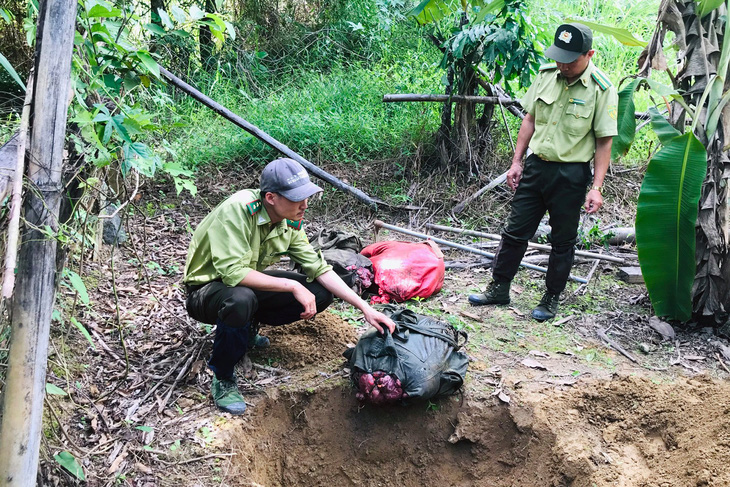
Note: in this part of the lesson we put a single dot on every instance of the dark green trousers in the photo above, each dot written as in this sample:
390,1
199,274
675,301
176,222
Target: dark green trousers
558,188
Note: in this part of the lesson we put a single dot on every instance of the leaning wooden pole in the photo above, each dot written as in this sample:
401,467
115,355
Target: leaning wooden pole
32,304
485,100
263,136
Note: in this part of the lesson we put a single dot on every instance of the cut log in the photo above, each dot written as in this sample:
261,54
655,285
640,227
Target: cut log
622,235
631,275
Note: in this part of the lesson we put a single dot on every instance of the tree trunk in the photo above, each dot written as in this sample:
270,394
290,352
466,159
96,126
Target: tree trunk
443,136
32,304
155,7
464,130
206,39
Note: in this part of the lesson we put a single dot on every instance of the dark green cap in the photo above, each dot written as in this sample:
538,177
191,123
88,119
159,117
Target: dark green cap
571,40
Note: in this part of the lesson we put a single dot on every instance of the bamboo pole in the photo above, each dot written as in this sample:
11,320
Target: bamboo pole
484,100
11,252
492,236
20,429
264,137
379,224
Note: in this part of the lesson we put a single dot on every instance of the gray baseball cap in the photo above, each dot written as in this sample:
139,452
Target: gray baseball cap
288,178
571,40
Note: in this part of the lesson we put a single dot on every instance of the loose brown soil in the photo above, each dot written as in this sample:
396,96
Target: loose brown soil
587,416
617,431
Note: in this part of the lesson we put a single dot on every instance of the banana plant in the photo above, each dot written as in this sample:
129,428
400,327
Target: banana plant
666,215
680,220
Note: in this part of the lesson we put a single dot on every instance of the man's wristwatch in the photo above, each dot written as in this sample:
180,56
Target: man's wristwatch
597,188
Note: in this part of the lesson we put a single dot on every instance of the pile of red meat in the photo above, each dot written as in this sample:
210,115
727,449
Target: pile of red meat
378,388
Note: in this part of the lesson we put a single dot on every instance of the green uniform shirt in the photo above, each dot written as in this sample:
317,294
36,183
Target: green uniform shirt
569,118
237,236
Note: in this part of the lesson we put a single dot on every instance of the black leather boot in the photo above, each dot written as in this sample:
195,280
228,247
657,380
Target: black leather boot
548,307
496,293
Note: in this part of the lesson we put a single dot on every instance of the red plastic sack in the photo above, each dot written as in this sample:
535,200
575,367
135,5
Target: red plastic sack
404,270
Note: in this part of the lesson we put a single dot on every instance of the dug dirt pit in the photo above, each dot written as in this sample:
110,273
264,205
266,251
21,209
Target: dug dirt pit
626,431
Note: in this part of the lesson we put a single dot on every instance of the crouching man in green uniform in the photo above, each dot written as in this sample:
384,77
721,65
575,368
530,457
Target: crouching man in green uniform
227,284
571,118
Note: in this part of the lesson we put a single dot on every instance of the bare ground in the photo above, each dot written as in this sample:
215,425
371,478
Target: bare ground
543,405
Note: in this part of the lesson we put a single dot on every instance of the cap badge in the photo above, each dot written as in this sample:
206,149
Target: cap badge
565,36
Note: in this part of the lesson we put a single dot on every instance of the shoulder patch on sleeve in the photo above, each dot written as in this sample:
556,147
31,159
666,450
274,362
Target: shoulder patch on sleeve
253,207
601,80
548,66
295,224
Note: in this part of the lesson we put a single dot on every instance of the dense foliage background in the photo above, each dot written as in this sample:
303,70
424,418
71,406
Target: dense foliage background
311,73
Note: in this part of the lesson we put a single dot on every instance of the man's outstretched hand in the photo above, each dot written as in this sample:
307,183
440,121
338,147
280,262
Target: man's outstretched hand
378,320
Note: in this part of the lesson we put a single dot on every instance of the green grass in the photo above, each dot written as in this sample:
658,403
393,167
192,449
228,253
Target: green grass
332,111
333,115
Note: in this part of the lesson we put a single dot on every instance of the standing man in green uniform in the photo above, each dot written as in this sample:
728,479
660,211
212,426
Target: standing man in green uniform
571,118
227,284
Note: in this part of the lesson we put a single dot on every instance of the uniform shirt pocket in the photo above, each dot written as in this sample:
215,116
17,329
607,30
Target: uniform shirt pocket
271,252
578,117
543,109
547,93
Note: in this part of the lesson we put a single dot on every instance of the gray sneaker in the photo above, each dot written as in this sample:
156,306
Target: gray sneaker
226,396
496,293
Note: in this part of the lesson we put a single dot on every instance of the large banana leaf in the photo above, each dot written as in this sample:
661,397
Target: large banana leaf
665,224
622,35
626,120
662,128
704,7
434,10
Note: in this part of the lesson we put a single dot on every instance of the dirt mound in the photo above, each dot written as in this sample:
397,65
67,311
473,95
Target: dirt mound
308,342
635,431
625,432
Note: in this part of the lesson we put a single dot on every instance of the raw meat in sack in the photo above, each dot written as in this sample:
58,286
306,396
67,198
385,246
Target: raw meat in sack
341,251
422,359
404,270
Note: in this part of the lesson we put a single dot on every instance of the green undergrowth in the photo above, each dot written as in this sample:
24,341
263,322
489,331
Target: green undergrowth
332,112
335,116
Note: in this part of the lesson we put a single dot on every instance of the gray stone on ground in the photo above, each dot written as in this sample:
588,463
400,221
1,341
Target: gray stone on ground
113,233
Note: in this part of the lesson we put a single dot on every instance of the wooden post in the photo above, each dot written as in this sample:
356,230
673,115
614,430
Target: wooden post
20,430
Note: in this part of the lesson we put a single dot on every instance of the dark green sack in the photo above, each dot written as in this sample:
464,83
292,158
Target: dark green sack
424,354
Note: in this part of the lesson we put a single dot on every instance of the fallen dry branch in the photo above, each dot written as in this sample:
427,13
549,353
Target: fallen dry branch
602,334
582,288
492,184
